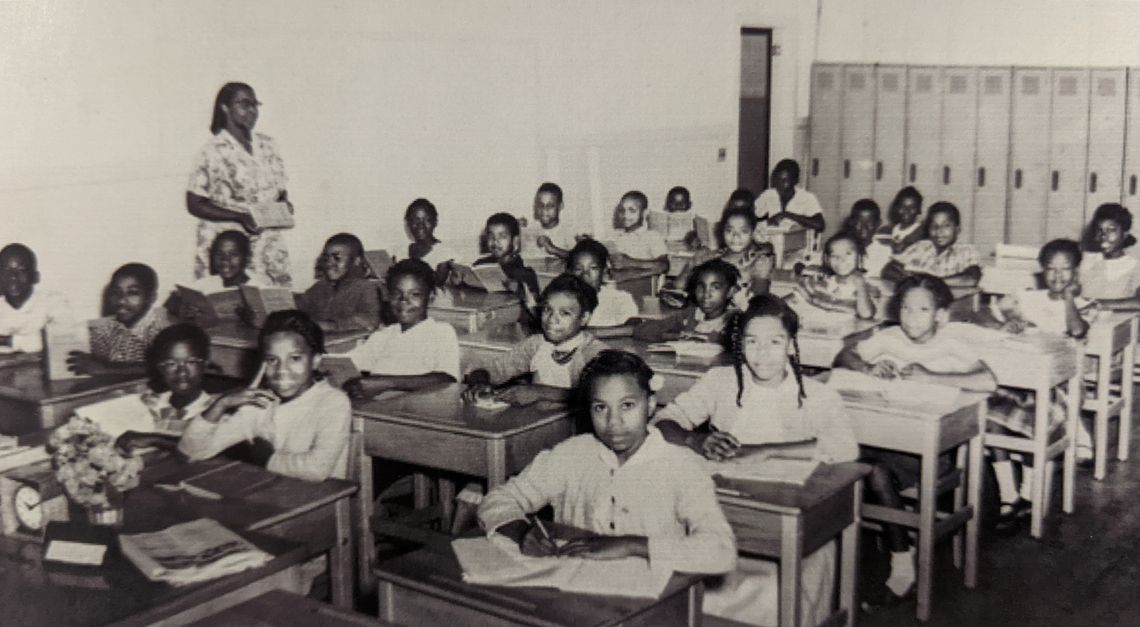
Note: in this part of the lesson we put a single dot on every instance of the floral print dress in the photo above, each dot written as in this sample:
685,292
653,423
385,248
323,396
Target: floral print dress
234,179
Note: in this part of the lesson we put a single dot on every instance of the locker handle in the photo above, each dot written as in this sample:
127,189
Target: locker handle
982,176
945,175
1056,179
1132,185
815,167
912,172
1092,182
878,170
1017,178
846,168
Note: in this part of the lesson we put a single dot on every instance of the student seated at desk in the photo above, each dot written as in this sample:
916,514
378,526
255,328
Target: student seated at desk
501,240
922,347
421,219
176,362
555,357
864,221
229,269
784,200
677,219
840,289
638,495
1057,309
589,261
414,353
24,309
296,425
942,255
1110,274
906,227
342,299
763,399
119,341
734,233
557,237
635,246
710,289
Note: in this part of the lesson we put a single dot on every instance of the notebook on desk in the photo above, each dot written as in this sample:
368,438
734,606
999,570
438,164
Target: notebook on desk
500,563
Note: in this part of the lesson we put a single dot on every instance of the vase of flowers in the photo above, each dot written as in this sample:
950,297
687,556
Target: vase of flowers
93,473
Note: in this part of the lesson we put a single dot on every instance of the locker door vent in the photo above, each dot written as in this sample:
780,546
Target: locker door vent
1067,86
1030,85
856,81
994,84
957,84
890,82
825,81
1106,87
924,84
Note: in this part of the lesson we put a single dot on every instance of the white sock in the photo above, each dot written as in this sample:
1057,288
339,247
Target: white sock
1027,483
902,571
1084,441
1007,487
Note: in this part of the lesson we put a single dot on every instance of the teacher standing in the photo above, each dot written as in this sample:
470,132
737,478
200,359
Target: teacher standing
237,169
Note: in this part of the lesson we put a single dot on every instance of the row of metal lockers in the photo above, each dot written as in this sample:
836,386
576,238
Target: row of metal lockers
1026,153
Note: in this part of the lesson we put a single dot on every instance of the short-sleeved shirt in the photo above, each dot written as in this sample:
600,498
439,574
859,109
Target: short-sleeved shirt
803,203
562,235
924,257
1035,307
1109,278
429,346
767,415
640,243
615,307
26,324
116,342
944,353
235,179
440,253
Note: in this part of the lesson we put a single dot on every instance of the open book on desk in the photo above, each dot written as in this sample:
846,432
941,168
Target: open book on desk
689,350
858,387
208,309
191,552
748,464
500,563
263,301
487,277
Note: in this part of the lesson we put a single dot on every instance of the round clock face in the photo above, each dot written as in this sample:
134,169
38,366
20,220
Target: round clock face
29,508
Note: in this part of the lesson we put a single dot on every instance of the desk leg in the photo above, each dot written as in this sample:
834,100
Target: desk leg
446,502
1040,463
974,498
961,463
1070,463
1125,432
421,490
1100,415
496,463
696,604
849,553
340,557
366,547
927,502
791,545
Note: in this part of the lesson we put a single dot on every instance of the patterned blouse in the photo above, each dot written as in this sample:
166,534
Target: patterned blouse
922,256
115,342
235,179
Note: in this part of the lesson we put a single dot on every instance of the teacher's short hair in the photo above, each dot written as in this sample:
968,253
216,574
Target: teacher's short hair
225,97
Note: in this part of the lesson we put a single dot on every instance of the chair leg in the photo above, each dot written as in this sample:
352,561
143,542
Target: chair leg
959,503
1070,461
1126,381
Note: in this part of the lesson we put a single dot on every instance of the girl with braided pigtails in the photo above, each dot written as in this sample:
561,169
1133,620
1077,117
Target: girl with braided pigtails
763,402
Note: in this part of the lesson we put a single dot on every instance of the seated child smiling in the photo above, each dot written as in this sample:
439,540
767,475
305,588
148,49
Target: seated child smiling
841,291
632,492
414,353
229,269
555,357
342,299
24,309
119,341
589,261
710,289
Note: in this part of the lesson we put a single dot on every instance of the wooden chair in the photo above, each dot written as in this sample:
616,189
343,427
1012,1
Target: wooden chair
1108,388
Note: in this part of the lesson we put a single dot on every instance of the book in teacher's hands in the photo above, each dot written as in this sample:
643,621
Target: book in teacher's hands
263,301
271,215
191,552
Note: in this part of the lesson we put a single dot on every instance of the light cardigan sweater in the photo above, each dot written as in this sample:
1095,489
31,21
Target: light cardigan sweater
309,433
661,492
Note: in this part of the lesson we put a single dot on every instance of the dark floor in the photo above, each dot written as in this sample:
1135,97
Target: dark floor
1085,570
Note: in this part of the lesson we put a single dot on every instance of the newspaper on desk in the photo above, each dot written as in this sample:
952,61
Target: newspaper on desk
863,388
500,563
199,550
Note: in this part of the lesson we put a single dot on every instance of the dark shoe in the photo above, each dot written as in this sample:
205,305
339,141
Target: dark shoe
1011,518
883,599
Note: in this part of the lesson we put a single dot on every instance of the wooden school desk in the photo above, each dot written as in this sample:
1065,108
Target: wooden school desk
791,241
316,514
426,587
278,608
435,429
635,281
789,522
1110,334
233,347
33,592
29,402
469,310
966,299
928,433
476,350
1023,363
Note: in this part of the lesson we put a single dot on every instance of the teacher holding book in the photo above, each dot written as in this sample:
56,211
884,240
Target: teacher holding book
239,182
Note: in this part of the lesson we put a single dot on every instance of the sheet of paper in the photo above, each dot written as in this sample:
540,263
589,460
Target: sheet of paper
753,468
118,415
75,553
272,215
59,342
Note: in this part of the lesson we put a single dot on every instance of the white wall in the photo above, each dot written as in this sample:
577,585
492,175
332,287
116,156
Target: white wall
103,105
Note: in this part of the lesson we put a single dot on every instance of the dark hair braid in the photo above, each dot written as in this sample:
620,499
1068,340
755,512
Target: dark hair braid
797,370
764,306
